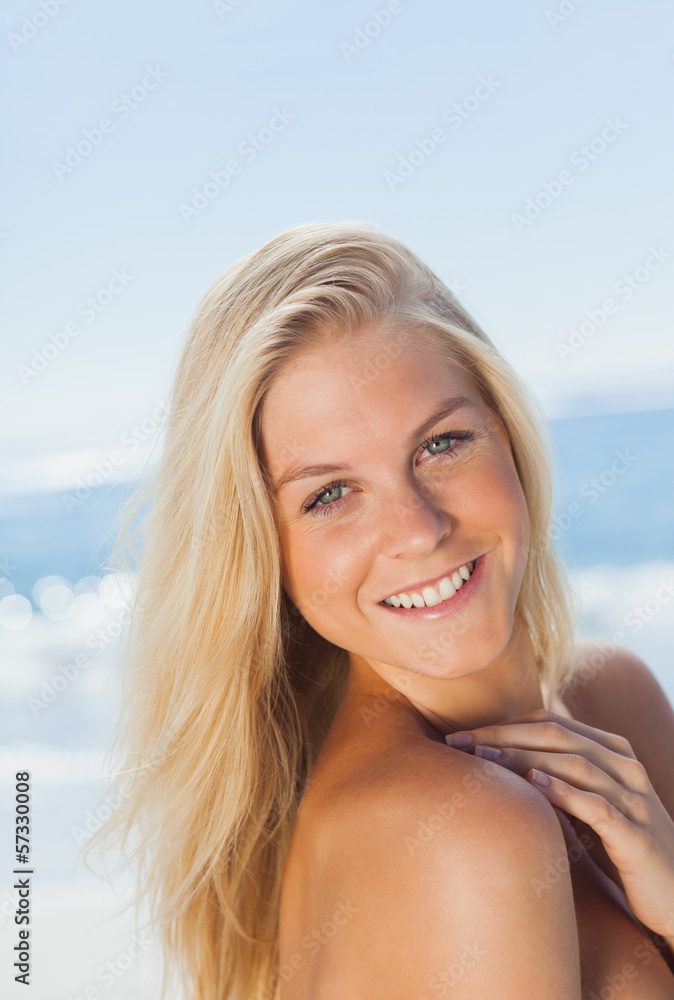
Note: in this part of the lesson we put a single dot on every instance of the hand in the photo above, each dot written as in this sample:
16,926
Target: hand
595,776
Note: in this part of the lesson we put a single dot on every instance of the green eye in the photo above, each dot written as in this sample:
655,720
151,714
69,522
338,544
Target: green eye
446,436
317,509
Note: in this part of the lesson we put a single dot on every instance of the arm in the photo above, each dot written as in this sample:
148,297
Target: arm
622,695
455,901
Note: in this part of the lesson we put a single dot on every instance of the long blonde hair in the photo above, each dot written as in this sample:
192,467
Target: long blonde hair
220,720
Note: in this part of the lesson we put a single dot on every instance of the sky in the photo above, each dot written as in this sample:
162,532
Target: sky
523,153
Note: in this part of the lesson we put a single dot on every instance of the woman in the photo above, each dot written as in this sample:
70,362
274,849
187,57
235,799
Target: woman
346,560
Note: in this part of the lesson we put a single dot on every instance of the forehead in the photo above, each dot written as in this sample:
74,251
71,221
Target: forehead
330,399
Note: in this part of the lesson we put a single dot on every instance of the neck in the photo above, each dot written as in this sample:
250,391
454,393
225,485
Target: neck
506,688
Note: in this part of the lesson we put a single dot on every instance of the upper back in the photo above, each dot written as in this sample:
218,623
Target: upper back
425,876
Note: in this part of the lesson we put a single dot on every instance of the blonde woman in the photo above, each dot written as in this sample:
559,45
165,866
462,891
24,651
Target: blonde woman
346,560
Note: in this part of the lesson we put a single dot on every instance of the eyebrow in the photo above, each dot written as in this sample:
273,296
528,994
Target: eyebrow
445,408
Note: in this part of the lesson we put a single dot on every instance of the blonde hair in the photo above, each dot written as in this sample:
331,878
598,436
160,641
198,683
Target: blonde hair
220,721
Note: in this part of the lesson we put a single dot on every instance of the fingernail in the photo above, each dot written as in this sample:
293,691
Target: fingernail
491,753
540,777
459,739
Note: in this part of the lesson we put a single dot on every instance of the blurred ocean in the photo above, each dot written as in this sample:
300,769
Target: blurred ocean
61,619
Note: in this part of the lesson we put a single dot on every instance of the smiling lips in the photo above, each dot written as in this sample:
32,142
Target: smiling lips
428,597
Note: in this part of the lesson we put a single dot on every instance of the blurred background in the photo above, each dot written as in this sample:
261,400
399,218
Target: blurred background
525,152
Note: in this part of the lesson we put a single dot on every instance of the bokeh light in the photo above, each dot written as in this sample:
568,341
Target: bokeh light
15,611
56,601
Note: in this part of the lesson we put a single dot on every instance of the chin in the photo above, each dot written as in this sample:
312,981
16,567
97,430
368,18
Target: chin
453,656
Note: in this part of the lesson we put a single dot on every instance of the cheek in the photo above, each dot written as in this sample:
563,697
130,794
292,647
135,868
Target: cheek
491,496
514,513
318,566
513,497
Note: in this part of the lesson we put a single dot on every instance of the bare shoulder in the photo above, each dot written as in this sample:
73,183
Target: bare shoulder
613,690
444,861
601,667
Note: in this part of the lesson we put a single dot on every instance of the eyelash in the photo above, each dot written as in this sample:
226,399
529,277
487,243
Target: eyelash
322,510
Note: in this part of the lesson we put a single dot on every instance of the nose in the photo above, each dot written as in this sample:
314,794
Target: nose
415,523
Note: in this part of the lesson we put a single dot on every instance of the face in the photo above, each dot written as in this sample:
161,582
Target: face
408,497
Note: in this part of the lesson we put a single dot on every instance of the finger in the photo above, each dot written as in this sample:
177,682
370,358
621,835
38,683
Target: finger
622,838
568,829
611,741
622,782
546,724
587,765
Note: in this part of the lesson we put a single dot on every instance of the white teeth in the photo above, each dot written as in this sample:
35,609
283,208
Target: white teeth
429,597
